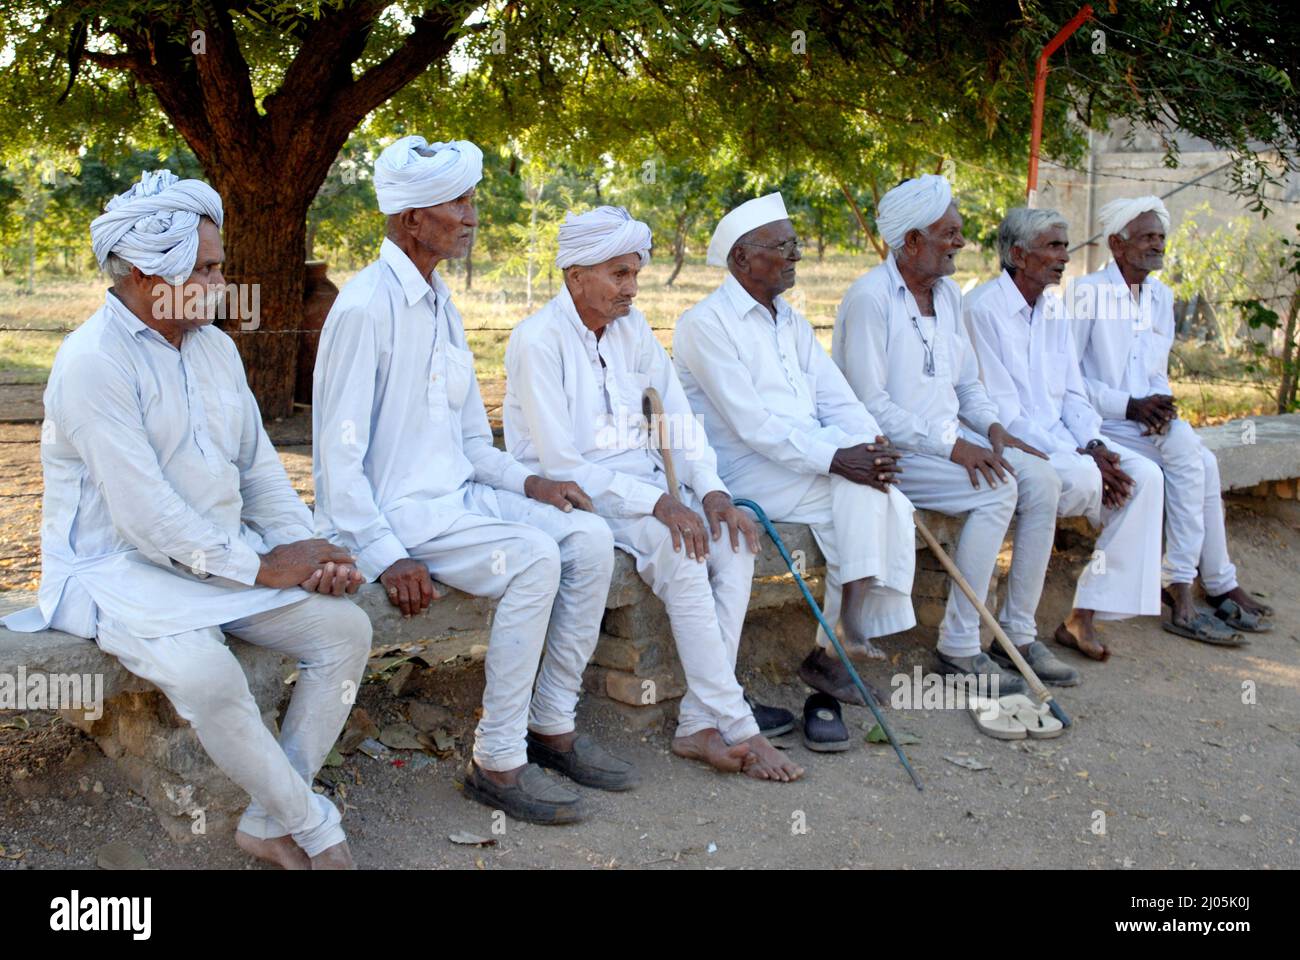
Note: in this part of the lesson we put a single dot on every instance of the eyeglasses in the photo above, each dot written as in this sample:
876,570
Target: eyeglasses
788,248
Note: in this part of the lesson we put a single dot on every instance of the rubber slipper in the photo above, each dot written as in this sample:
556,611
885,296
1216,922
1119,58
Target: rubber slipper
1072,642
1239,618
823,725
772,721
994,720
1036,717
1206,629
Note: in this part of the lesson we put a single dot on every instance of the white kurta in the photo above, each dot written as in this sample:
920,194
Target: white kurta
919,378
161,487
1029,367
405,467
777,410
573,409
1124,347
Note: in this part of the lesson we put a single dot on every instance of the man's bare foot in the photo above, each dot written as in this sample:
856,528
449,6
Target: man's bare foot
1079,634
337,857
1246,602
766,762
281,851
862,647
708,745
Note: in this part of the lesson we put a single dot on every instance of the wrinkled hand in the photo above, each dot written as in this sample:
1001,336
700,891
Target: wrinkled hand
409,586
1001,439
334,579
685,525
290,564
1116,485
561,494
1155,412
873,464
718,509
980,461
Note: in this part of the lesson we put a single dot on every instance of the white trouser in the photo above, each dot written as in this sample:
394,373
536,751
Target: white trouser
865,535
706,605
1195,535
544,566
935,483
330,638
1122,578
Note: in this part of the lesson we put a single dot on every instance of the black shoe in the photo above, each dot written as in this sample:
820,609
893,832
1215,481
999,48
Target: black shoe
823,725
772,721
985,671
535,797
587,763
825,671
1048,666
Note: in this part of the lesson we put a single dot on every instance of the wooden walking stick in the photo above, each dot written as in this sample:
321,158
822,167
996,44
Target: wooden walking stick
653,409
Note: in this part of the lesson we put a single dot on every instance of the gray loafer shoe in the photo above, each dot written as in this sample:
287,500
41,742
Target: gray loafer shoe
1047,665
588,763
534,797
982,667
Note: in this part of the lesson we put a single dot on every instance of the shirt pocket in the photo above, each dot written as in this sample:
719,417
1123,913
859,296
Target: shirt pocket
1056,370
460,376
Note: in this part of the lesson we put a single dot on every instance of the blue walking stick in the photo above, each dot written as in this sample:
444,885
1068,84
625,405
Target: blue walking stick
817,612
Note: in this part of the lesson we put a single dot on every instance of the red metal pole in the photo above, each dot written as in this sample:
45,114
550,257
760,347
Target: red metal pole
1040,92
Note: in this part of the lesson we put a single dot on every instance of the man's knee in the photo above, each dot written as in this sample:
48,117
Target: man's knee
1181,446
589,546
350,626
1038,485
533,557
1211,465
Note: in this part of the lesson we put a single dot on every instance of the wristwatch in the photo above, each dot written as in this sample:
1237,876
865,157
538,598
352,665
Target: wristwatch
1094,444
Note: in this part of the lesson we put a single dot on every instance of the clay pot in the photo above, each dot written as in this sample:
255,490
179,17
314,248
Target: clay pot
319,293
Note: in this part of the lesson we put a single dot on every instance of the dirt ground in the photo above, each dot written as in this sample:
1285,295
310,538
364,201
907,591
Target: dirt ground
1185,773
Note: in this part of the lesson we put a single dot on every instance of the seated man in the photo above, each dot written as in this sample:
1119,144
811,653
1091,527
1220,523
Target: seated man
1028,364
901,342
407,477
168,519
576,372
791,436
1124,329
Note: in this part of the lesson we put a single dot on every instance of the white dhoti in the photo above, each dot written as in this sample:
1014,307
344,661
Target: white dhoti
1195,534
550,572
867,537
935,483
1121,579
330,638
706,605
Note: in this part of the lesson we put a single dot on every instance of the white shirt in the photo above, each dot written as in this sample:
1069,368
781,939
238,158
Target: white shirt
1123,343
773,402
161,486
880,342
398,424
1029,367
580,419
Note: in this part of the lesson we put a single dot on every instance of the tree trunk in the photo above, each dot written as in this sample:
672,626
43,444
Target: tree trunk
265,239
679,249
1286,394
469,268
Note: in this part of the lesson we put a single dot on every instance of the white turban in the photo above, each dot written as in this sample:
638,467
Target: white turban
599,235
155,224
405,177
1118,214
750,215
912,205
